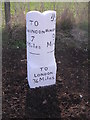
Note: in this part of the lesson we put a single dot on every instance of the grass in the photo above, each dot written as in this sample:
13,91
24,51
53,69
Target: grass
10,43
18,44
18,7
22,6
60,6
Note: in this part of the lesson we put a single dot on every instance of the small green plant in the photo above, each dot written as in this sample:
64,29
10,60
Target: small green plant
18,44
14,37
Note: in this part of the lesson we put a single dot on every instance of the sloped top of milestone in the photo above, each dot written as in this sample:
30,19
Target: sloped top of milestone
42,13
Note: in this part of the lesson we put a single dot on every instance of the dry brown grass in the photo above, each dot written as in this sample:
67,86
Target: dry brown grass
66,21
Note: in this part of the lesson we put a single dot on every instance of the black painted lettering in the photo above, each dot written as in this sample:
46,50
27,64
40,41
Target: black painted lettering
36,31
49,43
52,17
41,68
32,38
53,77
33,45
46,68
31,21
36,23
35,75
29,44
53,35
47,30
41,78
35,80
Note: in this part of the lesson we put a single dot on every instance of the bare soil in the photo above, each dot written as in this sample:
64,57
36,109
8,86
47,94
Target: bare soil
67,100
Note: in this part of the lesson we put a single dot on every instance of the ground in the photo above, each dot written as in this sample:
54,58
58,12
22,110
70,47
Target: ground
67,99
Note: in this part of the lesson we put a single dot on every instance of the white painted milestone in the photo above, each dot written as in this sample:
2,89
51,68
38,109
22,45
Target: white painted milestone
40,35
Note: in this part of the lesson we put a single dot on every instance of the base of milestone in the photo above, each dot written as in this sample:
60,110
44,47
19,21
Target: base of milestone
41,76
